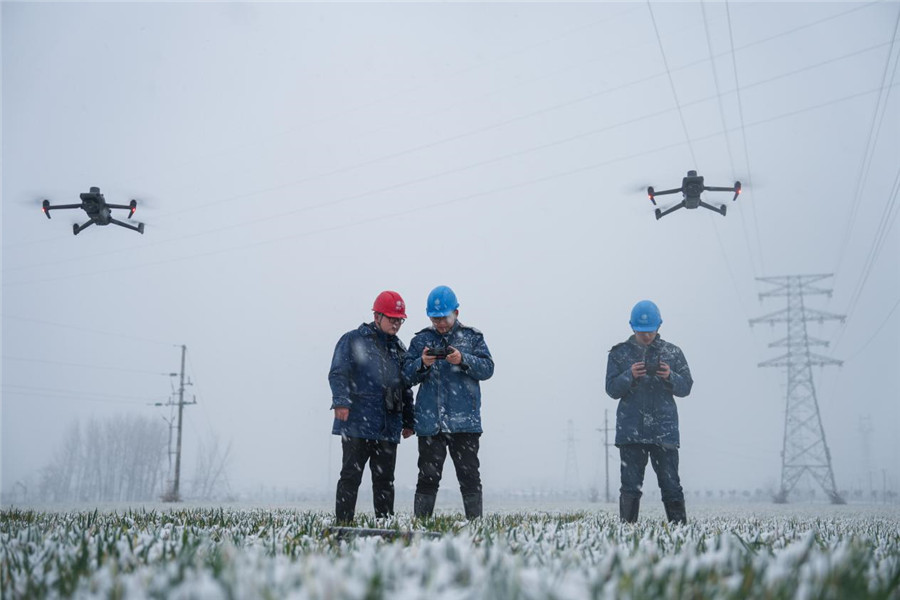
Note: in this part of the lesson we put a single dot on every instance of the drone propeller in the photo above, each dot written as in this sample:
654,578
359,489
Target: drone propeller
634,188
754,185
144,204
34,202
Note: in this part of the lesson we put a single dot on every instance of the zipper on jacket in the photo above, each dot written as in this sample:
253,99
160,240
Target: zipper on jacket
440,393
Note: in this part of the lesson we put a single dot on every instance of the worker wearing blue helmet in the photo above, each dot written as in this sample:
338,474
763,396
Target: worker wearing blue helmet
447,361
645,374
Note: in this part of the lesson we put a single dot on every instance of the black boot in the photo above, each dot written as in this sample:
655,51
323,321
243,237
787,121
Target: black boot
423,505
345,505
629,506
384,501
473,505
675,512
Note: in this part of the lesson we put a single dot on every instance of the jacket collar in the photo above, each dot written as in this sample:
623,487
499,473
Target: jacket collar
656,343
450,333
431,328
372,330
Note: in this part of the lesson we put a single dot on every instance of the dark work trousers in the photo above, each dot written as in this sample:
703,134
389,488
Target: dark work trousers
665,463
383,458
464,453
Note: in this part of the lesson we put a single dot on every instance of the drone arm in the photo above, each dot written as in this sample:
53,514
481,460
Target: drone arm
47,207
664,192
131,207
736,189
720,210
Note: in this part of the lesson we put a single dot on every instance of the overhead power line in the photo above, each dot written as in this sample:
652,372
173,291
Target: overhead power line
57,393
764,40
722,119
514,154
687,136
422,207
737,86
405,92
877,331
562,35
888,217
871,142
567,33
199,395
82,365
85,329
662,51
529,115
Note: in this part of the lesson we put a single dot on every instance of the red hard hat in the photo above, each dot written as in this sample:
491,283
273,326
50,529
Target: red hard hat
390,304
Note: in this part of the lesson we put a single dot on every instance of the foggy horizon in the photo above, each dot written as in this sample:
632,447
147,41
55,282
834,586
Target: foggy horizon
290,161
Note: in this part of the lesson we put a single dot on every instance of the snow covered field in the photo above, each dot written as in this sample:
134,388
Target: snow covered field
733,551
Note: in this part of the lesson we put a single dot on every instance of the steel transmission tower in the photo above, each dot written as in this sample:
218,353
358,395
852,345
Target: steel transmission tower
805,449
605,431
570,485
865,432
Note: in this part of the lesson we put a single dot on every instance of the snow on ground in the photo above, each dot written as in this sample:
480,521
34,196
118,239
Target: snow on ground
556,551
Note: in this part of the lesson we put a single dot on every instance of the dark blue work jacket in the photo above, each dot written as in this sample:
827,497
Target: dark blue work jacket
449,396
647,413
367,361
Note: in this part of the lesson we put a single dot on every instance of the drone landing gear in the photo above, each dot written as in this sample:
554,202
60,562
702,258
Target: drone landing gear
139,227
720,210
76,228
661,213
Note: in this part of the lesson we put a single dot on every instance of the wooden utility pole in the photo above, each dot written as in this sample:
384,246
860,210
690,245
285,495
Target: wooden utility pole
175,486
606,445
173,495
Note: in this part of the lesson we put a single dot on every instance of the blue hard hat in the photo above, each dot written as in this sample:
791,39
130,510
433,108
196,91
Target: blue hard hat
441,302
645,316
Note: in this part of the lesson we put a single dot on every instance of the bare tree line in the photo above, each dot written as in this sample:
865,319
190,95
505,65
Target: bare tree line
125,459
119,459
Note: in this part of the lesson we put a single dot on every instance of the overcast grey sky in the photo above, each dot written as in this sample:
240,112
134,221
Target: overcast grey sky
293,160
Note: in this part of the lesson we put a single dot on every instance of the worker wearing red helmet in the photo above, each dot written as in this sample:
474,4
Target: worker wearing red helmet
372,406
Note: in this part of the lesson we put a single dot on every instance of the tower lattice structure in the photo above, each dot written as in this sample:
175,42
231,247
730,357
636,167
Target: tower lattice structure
571,484
805,450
